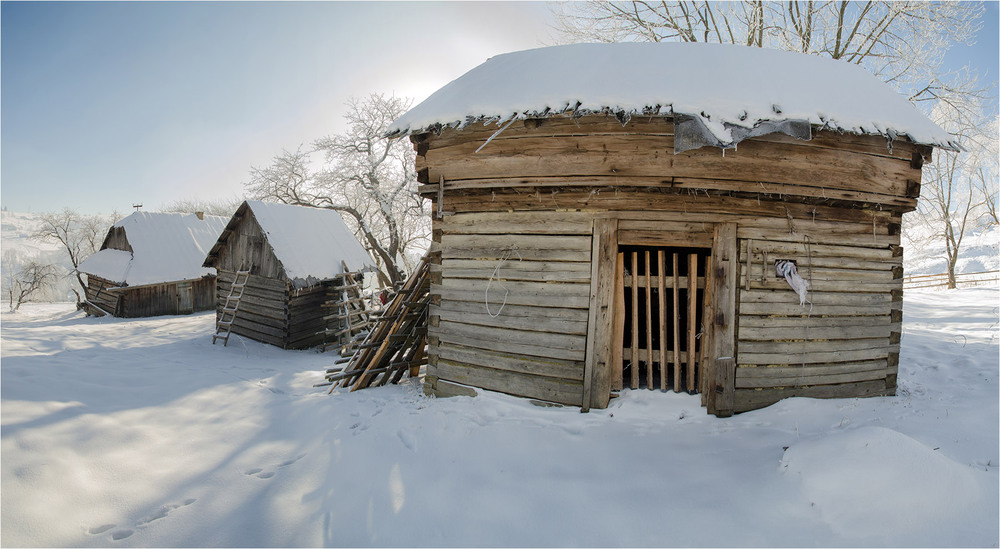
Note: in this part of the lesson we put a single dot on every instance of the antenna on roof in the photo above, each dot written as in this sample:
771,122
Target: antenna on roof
136,206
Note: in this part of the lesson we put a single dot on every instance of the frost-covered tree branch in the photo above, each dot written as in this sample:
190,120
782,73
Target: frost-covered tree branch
80,236
359,173
903,42
21,282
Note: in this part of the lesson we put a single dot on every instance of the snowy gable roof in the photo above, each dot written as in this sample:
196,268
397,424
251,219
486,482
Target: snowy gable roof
166,247
310,243
727,88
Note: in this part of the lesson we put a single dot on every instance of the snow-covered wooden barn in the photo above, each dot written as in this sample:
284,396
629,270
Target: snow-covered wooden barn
294,255
151,264
625,215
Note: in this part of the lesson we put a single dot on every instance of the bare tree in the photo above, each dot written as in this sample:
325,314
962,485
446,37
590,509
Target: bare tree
987,176
80,236
948,195
902,42
23,281
223,208
361,174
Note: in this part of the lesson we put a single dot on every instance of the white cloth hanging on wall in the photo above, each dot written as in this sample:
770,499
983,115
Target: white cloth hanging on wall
786,269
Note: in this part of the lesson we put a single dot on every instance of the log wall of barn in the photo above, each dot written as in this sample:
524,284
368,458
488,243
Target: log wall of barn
165,299
518,327
98,293
844,341
263,312
271,312
833,205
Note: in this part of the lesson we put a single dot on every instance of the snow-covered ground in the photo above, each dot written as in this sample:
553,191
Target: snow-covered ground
142,433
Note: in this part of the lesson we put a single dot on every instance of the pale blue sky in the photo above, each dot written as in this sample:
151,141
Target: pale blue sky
108,104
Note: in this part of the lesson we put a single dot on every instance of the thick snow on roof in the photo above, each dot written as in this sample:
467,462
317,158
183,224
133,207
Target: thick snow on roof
166,247
309,242
719,84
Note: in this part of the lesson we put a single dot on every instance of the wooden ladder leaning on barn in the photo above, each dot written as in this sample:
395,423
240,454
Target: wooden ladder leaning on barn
224,323
349,318
397,342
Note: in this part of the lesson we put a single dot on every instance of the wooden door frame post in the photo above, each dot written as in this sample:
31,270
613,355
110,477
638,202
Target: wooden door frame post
722,361
598,360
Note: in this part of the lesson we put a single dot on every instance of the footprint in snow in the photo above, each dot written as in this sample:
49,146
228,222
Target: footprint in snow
119,535
162,512
407,440
259,472
100,529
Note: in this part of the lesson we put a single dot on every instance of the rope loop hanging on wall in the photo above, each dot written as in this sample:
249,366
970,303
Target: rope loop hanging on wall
496,274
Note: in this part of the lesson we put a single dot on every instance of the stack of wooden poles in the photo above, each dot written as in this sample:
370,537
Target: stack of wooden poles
395,345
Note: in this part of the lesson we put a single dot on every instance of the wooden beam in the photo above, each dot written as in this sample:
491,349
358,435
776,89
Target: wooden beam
725,267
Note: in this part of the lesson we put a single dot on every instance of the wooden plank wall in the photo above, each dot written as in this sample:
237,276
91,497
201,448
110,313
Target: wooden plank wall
846,342
599,152
163,299
247,246
306,322
263,313
97,293
535,345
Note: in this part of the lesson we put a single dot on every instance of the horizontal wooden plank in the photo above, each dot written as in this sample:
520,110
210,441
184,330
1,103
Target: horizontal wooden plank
502,320
752,399
540,299
796,322
545,367
646,237
514,269
497,288
861,239
790,348
509,346
810,330
813,357
561,223
522,311
794,309
817,298
574,343
652,203
812,374
525,247
518,384
800,249
627,156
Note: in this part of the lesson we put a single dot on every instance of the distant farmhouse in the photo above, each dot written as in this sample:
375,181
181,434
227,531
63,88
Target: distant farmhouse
150,264
296,261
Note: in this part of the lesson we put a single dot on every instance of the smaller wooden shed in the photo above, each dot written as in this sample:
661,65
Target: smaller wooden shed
295,256
150,264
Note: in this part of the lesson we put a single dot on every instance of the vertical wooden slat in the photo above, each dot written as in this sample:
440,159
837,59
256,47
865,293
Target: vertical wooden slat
634,368
706,337
725,256
618,339
692,361
649,325
661,287
677,327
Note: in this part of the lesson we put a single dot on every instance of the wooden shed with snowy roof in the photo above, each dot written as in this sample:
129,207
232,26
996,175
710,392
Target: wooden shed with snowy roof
297,258
648,215
151,264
